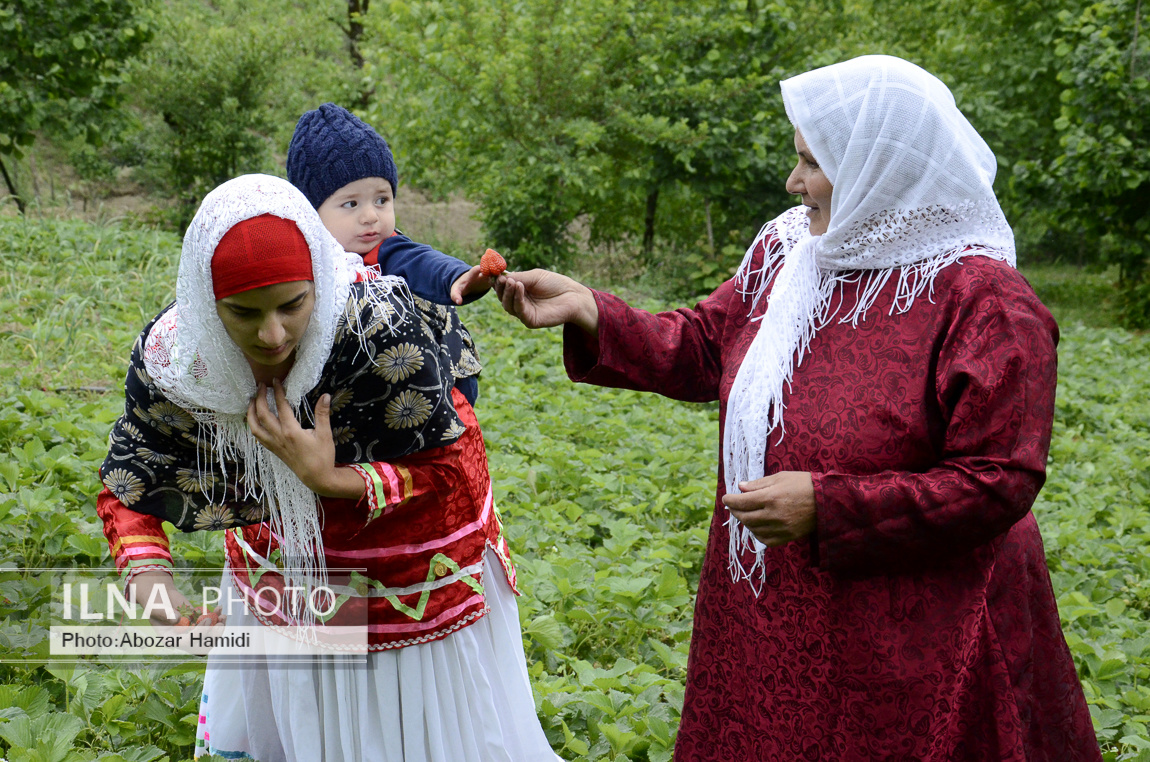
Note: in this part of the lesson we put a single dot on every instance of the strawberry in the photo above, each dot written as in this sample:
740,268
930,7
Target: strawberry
492,263
205,618
184,622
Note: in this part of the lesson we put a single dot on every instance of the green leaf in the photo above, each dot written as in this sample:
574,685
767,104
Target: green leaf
579,746
599,701
32,700
1111,668
660,730
546,631
51,734
1105,719
93,547
64,671
621,739
1138,742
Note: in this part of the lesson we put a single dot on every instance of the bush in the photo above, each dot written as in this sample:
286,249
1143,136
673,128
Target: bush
642,120
220,89
205,116
61,66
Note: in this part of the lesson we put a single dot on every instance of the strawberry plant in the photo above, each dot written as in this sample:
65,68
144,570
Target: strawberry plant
606,496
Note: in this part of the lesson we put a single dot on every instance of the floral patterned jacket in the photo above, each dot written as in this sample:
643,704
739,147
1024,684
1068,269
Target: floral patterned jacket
418,534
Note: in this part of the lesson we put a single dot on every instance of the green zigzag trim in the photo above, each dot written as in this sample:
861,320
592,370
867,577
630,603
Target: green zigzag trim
274,558
254,576
361,583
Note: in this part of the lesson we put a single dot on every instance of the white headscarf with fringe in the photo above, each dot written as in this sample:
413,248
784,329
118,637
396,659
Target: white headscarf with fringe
912,194
206,373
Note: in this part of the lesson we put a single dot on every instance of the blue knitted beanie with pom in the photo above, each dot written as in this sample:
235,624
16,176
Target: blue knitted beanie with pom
332,147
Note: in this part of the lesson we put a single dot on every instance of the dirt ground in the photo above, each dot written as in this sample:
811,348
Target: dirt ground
53,190
450,223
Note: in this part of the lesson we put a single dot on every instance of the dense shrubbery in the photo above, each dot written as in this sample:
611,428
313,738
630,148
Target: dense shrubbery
219,91
1060,90
61,65
653,128
657,124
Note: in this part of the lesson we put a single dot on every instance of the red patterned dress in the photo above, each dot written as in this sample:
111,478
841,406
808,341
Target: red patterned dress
446,679
918,622
422,527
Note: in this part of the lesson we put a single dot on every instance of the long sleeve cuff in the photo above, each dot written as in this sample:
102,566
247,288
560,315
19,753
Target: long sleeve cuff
136,541
386,486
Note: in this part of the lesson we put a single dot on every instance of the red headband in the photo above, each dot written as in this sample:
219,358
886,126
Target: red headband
260,251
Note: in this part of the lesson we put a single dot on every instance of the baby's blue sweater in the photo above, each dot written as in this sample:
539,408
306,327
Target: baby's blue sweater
429,275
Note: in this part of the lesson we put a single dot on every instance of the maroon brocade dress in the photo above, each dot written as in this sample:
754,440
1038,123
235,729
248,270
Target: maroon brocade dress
918,622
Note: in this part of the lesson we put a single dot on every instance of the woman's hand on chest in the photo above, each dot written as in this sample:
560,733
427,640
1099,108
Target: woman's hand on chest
310,453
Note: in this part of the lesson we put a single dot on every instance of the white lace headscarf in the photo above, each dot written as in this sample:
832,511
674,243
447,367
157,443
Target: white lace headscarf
197,366
912,194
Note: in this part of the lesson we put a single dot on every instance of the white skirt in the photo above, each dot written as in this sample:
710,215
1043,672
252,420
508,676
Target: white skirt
463,698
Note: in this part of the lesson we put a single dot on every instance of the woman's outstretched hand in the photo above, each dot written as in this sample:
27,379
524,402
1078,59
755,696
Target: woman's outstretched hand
541,299
310,453
778,508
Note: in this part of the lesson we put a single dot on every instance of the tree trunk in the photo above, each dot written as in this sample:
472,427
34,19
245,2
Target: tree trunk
32,174
649,224
356,10
12,188
710,230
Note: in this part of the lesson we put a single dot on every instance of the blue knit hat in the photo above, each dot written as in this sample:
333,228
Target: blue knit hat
332,147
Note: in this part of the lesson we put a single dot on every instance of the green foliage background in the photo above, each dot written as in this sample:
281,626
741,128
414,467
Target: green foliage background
645,120
600,129
1060,91
61,64
606,496
591,131
61,67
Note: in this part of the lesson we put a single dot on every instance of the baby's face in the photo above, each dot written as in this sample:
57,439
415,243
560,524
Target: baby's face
360,214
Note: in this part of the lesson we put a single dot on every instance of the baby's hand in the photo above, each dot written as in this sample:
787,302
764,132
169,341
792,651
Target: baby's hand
471,282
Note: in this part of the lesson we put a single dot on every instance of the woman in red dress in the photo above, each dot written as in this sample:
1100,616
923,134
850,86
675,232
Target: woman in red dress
875,586
273,325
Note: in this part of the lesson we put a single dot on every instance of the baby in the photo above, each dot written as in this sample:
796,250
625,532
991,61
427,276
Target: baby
346,170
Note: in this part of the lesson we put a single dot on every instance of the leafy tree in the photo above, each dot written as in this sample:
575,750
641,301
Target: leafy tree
206,98
510,102
221,88
1101,168
649,121
353,31
704,114
995,57
61,67
1059,90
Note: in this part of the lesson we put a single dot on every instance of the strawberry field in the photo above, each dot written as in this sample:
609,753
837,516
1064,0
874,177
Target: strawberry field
606,496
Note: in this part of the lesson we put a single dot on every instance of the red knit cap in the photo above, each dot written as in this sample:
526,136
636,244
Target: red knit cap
260,251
